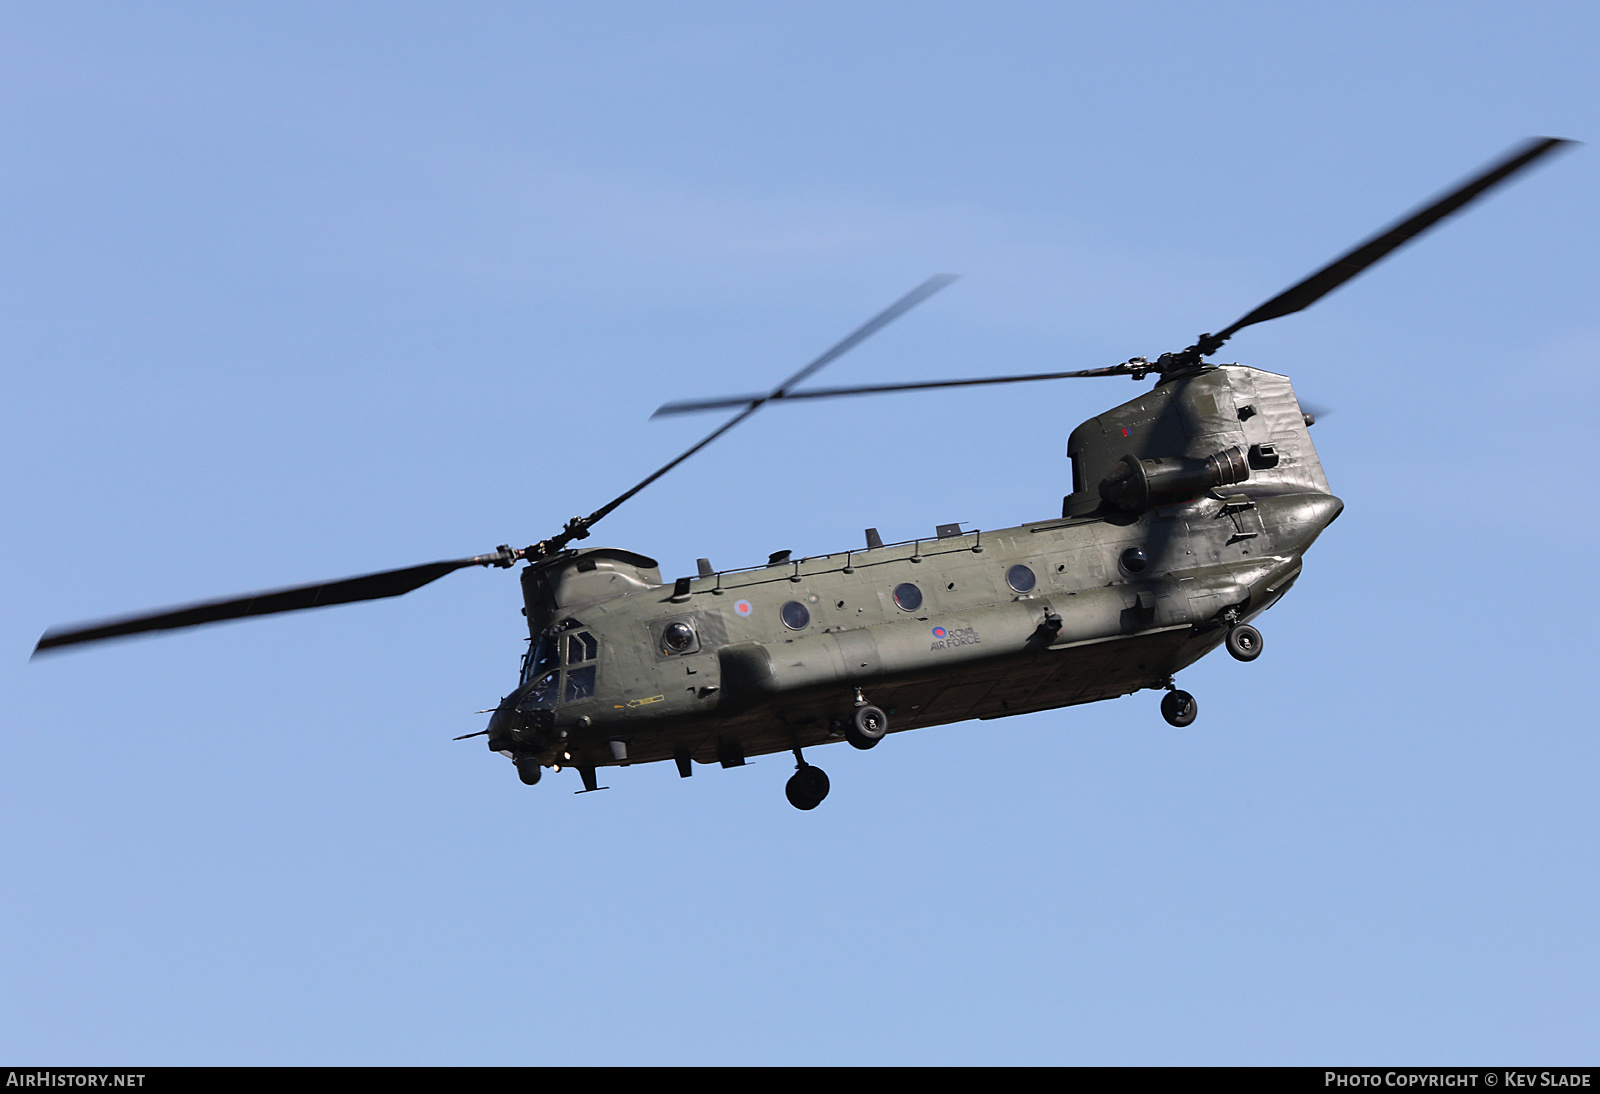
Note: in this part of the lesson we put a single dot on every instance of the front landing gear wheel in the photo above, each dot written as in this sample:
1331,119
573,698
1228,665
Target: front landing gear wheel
528,769
1179,708
807,787
1244,642
867,727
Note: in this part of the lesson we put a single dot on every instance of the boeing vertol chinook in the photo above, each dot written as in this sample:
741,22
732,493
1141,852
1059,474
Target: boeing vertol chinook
1191,511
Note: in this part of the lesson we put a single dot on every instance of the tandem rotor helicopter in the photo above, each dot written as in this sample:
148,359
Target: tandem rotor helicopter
1191,510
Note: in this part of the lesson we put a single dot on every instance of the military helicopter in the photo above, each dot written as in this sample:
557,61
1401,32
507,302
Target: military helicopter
1191,510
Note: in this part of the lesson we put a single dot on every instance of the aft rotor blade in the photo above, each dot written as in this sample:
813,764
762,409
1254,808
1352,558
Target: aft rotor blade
1347,265
579,527
321,595
693,405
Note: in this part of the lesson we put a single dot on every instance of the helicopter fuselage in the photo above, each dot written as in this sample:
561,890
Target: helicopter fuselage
1100,602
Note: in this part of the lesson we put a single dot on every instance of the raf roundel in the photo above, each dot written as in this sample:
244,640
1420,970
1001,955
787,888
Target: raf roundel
938,632
743,608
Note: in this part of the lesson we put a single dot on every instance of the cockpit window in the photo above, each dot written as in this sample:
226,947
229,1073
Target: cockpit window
542,658
581,647
563,643
542,694
580,683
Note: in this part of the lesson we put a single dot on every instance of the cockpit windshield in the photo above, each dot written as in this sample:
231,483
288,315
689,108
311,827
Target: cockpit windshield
541,658
542,694
565,652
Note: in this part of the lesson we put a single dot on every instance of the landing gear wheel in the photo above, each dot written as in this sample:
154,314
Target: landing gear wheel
867,728
1244,642
528,769
1179,708
807,787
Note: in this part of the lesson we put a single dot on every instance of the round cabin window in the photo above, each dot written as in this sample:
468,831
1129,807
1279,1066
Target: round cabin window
795,616
908,597
1021,579
677,637
1134,560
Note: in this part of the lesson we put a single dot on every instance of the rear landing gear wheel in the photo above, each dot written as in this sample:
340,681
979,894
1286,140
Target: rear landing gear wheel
1244,642
867,727
1179,708
528,769
807,787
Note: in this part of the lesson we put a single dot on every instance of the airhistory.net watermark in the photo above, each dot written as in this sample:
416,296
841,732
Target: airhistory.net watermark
73,1078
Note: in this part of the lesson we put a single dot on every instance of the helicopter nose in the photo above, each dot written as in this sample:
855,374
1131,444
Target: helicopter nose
500,721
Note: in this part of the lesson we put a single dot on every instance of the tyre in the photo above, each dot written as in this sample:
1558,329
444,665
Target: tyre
867,727
807,787
1244,642
1179,708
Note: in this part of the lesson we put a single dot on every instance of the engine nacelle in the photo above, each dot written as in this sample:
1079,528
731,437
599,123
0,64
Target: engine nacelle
1137,485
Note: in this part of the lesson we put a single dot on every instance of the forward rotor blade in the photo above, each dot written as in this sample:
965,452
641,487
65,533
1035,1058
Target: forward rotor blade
324,594
579,527
1346,266
868,329
389,583
693,405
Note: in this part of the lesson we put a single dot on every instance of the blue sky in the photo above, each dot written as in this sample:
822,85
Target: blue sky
320,289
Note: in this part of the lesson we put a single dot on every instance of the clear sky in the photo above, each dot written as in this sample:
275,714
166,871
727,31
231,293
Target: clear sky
310,290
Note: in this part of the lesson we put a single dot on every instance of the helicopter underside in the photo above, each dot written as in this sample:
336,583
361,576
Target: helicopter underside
1045,680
